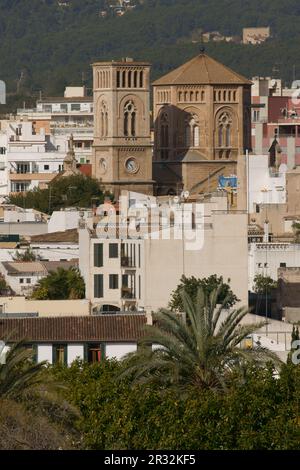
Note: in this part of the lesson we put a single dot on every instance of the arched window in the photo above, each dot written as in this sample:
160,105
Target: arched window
118,79
191,96
164,137
133,124
103,120
141,79
129,119
196,136
123,79
227,141
187,135
126,123
129,79
224,130
135,79
192,132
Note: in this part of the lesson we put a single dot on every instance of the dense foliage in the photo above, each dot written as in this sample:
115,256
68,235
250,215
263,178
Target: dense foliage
71,191
44,45
258,412
33,415
62,284
191,286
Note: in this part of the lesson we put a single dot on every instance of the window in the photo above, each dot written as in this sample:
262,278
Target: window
196,136
75,107
47,108
19,187
103,120
23,168
224,130
21,280
46,167
113,281
28,280
64,108
140,288
98,255
98,286
2,150
94,352
283,265
59,354
164,136
129,119
192,132
113,250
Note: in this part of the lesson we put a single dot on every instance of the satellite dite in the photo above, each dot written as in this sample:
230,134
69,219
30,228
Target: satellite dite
2,92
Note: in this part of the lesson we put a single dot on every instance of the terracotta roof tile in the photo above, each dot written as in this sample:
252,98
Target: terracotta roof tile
109,328
68,236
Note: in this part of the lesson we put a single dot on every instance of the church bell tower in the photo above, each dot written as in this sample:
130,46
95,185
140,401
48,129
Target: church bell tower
122,155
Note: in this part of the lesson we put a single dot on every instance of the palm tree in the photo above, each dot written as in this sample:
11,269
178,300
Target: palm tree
201,352
32,412
19,374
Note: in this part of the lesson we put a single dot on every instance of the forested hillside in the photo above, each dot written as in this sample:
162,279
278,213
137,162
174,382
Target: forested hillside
45,44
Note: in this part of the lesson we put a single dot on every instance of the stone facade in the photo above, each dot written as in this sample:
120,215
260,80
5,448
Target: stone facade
202,126
122,156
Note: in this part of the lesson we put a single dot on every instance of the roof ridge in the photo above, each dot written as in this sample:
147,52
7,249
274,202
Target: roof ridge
238,75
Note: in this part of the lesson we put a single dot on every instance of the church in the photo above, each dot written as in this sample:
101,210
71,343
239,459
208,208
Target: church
201,120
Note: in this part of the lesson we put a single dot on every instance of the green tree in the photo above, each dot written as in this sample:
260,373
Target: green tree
62,284
32,414
27,255
263,284
258,411
201,352
191,285
77,190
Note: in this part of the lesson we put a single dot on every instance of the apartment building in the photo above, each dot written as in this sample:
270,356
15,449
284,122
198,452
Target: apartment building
31,159
63,116
139,271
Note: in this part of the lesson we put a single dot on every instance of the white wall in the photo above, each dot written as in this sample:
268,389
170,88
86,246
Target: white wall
44,353
263,188
75,351
119,350
271,254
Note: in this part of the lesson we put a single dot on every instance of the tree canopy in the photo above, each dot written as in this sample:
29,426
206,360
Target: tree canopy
62,284
76,191
45,45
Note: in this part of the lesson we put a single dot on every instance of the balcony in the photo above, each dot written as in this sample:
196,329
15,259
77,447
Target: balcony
127,262
127,293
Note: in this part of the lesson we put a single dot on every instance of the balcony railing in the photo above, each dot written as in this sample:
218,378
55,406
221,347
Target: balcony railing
127,262
127,293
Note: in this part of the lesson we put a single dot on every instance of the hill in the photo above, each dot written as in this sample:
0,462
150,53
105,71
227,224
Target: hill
45,44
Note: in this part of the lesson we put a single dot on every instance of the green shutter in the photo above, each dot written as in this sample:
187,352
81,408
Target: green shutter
98,255
98,286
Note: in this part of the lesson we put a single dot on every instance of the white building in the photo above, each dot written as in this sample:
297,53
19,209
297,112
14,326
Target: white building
63,116
266,258
23,276
265,186
32,160
90,338
140,271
